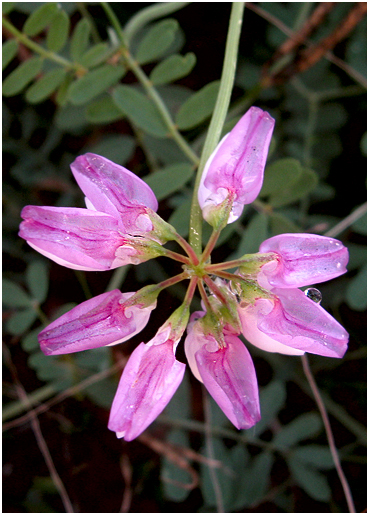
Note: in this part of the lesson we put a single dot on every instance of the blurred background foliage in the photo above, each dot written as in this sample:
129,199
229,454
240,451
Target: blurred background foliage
70,87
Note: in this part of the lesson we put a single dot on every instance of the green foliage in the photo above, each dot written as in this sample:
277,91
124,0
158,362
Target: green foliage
94,83
140,110
9,51
40,19
169,180
58,32
198,107
79,40
156,41
45,86
173,68
22,76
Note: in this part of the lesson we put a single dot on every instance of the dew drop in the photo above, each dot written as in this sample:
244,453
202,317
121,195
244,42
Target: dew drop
314,295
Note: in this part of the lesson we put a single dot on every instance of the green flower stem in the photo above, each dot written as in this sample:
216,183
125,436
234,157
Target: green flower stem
247,258
149,14
176,256
150,90
38,49
219,115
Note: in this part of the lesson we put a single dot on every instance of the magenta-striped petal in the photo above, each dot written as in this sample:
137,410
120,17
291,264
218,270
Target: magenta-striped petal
97,322
293,324
228,374
76,238
149,380
302,260
237,164
114,190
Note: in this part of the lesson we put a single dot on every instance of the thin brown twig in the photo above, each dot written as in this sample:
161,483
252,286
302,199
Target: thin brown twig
38,435
64,395
329,433
126,470
354,74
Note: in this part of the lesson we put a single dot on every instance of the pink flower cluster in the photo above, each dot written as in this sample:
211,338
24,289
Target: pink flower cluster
262,300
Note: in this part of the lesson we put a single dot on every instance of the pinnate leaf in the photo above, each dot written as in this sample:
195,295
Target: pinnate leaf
40,18
22,76
58,31
14,296
313,482
156,41
169,179
140,110
95,55
94,83
79,41
43,88
38,280
9,51
173,68
103,110
198,107
302,427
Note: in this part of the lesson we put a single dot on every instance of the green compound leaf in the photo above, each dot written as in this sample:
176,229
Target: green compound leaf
30,341
21,321
198,107
313,482
22,76
173,68
7,7
9,51
171,474
58,32
279,175
304,426
252,237
14,296
272,400
94,83
37,278
318,456
305,183
356,293
103,110
95,55
280,224
170,179
116,147
180,218
156,41
79,41
40,19
43,88
140,110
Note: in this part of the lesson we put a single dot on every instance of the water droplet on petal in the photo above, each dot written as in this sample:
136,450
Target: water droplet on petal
314,295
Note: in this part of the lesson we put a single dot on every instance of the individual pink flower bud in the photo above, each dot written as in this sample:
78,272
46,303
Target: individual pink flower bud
149,380
236,166
227,372
104,320
301,260
77,238
114,190
119,226
291,323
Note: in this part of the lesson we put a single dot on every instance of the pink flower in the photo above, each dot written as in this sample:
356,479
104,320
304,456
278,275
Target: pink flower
302,259
236,167
114,230
149,380
285,320
107,319
227,372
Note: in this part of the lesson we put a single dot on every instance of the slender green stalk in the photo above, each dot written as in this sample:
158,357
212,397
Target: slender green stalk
147,84
38,49
217,121
151,13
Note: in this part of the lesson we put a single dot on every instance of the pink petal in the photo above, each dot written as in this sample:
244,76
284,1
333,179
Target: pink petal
97,322
149,380
237,164
229,376
114,190
76,238
295,321
303,259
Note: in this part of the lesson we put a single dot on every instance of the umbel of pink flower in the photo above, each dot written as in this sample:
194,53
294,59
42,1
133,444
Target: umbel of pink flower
262,300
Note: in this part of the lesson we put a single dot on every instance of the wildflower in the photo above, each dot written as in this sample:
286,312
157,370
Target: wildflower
262,300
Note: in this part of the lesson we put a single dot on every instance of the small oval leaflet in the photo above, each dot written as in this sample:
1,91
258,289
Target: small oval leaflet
314,294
